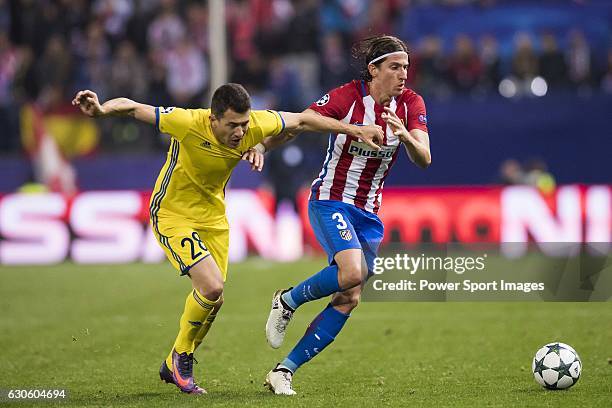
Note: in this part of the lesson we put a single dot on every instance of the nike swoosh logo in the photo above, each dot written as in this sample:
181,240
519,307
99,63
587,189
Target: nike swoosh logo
196,324
182,382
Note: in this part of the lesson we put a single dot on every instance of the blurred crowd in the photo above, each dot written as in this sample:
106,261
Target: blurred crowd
284,51
533,172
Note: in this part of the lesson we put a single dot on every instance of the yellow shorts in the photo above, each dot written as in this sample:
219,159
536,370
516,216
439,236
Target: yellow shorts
186,245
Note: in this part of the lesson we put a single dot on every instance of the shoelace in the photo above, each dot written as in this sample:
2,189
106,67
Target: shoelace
287,378
282,323
185,365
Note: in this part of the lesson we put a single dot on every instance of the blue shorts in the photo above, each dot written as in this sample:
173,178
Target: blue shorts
339,226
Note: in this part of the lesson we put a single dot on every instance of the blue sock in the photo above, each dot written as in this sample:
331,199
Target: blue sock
319,285
320,333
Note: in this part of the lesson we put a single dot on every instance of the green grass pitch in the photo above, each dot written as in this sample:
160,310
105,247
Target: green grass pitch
102,331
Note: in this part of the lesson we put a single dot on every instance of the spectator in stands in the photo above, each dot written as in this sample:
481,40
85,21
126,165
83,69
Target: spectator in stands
511,172
302,52
344,16
465,65
253,75
303,29
579,61
525,60
197,24
552,63
137,26
537,175
432,68
285,85
491,63
242,30
334,69
128,76
97,59
75,14
534,173
158,89
167,29
381,19
44,23
187,74
53,72
114,15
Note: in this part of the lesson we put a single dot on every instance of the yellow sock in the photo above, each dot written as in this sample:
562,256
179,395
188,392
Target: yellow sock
197,310
206,326
203,331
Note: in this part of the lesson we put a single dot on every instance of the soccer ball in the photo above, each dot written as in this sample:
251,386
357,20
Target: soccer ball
556,366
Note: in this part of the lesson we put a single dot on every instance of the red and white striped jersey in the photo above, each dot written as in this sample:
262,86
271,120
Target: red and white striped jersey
353,172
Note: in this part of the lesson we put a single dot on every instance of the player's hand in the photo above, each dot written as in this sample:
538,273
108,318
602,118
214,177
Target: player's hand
396,125
372,135
255,156
88,102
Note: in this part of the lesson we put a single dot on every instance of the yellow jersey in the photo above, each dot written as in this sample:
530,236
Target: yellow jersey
191,184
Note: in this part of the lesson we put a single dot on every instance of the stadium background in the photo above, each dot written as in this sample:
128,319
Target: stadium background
519,95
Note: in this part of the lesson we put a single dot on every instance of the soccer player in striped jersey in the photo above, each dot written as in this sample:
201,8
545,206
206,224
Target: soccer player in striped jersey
187,206
347,195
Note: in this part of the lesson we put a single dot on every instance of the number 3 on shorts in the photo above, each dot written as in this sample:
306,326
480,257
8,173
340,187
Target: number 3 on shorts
341,223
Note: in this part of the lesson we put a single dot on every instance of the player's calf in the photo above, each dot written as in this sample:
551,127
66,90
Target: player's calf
352,268
348,300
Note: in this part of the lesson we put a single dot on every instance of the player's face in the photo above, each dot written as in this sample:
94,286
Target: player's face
392,74
231,127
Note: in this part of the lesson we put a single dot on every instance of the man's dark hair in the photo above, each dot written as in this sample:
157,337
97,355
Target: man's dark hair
370,48
230,96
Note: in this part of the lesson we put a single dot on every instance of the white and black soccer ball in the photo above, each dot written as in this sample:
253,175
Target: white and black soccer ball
556,366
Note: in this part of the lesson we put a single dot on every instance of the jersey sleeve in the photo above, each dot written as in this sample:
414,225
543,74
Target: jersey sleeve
174,121
417,115
336,103
266,123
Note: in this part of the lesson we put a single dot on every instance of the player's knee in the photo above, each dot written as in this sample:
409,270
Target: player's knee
213,291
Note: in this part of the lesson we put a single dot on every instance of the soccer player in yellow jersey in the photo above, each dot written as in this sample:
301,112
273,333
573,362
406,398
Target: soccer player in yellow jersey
187,207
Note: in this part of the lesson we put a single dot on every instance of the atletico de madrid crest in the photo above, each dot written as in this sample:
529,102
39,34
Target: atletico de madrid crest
346,235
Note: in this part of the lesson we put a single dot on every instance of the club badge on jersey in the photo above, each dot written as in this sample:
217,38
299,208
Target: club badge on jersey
346,235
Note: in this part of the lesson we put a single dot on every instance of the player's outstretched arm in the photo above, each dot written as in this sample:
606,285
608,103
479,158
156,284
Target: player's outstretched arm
272,142
89,104
310,120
